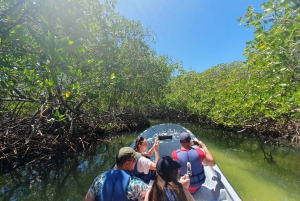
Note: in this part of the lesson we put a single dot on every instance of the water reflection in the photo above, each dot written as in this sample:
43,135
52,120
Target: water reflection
238,156
242,162
69,181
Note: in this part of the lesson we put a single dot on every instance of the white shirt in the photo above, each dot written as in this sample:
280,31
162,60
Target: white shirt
144,165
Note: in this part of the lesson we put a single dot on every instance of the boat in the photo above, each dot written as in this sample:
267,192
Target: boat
216,186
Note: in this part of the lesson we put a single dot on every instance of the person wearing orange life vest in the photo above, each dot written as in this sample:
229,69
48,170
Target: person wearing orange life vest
196,157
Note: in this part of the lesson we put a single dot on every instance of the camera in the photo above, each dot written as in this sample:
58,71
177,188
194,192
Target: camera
195,142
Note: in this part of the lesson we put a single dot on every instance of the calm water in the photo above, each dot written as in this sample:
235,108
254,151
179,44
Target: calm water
239,158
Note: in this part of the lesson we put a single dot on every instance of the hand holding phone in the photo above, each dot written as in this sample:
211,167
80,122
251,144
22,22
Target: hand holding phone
185,181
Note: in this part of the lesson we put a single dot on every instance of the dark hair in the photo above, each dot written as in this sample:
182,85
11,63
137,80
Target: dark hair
138,142
169,181
120,163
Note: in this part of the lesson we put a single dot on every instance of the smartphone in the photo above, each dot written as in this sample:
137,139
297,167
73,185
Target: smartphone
156,138
189,169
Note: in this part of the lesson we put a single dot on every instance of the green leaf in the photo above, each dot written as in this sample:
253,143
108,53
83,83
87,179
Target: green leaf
112,76
91,61
57,113
17,32
11,83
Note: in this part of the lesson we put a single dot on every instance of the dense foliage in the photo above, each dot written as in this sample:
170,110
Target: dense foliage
260,94
68,56
72,67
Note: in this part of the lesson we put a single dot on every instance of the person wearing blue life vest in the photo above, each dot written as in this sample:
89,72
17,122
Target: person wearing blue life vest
166,185
195,157
144,167
119,184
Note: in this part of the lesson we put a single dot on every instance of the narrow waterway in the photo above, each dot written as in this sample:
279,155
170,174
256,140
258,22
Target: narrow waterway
242,162
239,158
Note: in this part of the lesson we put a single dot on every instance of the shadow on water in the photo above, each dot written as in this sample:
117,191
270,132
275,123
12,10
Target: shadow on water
68,181
238,156
241,160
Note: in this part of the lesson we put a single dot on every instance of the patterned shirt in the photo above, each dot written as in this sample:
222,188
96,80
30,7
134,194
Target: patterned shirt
137,189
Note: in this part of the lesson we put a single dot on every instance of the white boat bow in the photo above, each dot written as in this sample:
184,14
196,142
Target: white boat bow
216,186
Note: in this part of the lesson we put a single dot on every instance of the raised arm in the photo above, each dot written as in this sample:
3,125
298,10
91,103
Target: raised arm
151,151
209,159
156,148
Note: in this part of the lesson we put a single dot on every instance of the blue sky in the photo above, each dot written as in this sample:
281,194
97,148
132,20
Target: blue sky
200,33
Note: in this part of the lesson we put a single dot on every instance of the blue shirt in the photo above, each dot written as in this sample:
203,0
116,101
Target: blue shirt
137,189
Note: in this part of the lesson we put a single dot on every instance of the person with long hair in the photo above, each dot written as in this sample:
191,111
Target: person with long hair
141,145
166,186
144,167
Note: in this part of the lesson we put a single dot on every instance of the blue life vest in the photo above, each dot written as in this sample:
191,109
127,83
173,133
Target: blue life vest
170,194
198,177
145,177
115,186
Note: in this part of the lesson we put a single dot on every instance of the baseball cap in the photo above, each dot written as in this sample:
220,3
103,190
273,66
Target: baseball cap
126,153
185,137
166,165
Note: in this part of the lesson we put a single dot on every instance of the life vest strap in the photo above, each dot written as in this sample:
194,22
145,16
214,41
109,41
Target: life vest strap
145,177
198,176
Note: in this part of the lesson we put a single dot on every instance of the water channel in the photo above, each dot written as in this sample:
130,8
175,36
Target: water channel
239,157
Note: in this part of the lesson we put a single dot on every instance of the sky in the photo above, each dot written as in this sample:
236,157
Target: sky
200,33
